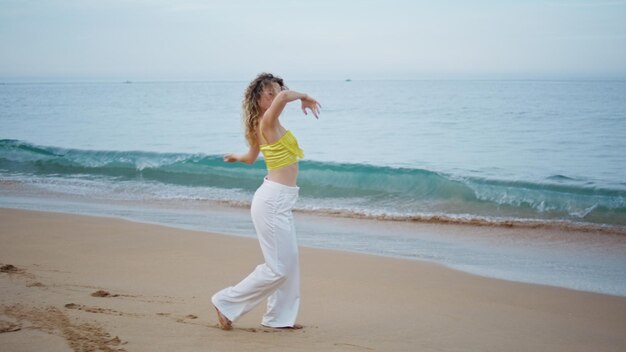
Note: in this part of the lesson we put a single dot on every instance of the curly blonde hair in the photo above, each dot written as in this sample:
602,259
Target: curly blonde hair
250,104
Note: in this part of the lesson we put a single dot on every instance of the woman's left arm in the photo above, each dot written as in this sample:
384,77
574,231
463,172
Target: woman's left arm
271,115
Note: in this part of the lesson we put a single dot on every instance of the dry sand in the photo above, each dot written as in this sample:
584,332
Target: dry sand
83,283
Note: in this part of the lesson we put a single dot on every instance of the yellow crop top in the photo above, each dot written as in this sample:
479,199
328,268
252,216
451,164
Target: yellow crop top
284,152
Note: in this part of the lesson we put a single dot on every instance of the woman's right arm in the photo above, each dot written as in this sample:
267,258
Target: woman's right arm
248,158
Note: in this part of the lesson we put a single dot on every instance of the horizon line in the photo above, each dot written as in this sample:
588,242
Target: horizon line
347,80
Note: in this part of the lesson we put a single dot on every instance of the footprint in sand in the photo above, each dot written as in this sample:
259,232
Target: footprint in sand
35,284
13,270
10,269
103,293
179,318
7,326
100,292
100,310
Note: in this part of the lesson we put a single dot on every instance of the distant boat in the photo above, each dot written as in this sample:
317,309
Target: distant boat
127,82
348,80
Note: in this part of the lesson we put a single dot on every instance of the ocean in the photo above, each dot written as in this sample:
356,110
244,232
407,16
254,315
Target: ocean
396,155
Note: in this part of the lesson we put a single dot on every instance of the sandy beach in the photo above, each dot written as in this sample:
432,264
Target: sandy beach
80,283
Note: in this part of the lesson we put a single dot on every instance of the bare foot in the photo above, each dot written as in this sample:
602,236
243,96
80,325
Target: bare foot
224,323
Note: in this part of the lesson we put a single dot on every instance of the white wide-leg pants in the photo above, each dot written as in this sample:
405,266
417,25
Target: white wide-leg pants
278,279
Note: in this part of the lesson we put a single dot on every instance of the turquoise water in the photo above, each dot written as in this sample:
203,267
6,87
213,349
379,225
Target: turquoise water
499,153
349,189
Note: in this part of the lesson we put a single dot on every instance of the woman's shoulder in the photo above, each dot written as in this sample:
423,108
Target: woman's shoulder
270,133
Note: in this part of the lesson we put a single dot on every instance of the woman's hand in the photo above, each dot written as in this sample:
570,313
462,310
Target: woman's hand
231,158
311,104
248,158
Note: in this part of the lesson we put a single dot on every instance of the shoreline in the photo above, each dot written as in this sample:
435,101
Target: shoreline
159,281
556,225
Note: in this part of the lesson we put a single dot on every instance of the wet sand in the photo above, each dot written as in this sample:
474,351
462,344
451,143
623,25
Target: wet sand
73,282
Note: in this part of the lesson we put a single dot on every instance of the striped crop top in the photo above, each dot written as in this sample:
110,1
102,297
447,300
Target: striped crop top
284,152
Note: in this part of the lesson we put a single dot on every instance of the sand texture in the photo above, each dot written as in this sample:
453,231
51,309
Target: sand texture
79,283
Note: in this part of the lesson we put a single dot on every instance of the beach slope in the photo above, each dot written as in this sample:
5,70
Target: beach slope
72,282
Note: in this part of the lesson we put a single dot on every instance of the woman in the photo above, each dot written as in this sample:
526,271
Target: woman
278,279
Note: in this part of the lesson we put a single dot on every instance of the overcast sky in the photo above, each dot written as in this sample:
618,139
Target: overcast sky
320,39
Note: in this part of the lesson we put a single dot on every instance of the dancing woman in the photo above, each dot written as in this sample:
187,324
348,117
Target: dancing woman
278,279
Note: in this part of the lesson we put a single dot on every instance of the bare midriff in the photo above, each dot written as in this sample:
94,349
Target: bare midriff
287,175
